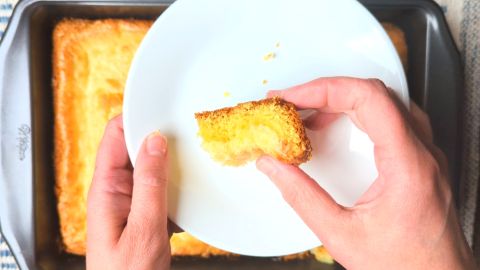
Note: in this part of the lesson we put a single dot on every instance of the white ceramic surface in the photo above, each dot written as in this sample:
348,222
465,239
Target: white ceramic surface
199,50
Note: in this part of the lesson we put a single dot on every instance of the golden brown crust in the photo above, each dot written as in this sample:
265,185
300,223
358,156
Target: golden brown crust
321,254
398,39
296,256
90,63
183,244
283,108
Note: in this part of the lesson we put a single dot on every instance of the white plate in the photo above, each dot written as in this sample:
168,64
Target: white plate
198,50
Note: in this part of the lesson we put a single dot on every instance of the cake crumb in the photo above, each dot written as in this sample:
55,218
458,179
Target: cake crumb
277,44
226,94
269,56
264,82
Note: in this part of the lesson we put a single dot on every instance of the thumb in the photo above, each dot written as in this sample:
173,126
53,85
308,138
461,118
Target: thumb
149,196
310,201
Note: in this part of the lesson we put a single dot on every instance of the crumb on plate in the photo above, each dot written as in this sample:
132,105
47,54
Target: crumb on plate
269,56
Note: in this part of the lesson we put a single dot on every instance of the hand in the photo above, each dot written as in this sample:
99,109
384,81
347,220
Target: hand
127,209
406,219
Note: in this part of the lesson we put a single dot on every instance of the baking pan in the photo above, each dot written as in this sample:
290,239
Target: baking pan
28,214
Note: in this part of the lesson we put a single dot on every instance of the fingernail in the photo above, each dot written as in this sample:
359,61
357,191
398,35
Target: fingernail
156,144
266,165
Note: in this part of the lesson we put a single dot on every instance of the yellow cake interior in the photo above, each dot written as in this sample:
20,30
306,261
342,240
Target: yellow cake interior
236,135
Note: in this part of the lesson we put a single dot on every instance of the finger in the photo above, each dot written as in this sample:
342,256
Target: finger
311,202
113,141
369,105
441,159
418,119
109,196
149,200
423,127
421,123
321,120
368,99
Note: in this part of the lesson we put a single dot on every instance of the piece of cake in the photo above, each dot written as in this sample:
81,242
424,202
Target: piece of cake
236,135
91,59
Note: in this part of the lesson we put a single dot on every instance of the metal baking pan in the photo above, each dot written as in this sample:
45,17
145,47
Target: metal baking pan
28,214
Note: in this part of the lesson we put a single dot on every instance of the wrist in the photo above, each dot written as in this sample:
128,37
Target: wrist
452,252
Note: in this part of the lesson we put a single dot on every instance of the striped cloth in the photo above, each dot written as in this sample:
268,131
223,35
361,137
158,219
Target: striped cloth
6,8
7,261
463,17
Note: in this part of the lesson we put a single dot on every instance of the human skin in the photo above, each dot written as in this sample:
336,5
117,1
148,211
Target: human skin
127,225
406,219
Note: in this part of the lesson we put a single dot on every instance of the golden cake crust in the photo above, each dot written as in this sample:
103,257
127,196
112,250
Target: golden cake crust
399,41
90,65
184,244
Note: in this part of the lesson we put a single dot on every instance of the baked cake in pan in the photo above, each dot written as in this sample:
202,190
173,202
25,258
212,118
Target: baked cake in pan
91,59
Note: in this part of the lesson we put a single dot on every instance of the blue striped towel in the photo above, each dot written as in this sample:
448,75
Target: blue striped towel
6,8
7,261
